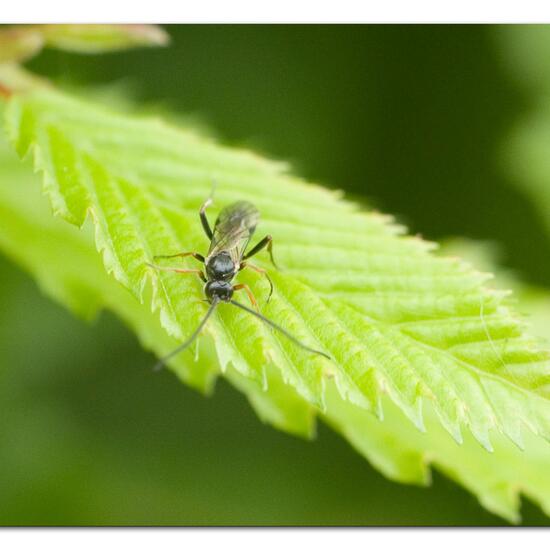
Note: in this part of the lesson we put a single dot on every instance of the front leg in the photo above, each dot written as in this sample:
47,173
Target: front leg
178,270
204,219
195,255
267,241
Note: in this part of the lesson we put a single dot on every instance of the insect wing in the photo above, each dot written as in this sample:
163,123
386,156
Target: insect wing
233,229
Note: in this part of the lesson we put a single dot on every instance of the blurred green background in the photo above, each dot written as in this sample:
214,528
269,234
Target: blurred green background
412,119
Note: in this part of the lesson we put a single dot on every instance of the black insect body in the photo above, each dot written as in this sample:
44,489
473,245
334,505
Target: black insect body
228,242
225,258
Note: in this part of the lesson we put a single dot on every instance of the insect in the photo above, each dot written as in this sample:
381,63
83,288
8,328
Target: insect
227,256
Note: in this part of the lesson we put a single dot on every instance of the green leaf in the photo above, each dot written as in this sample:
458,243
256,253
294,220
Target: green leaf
524,51
64,261
532,302
530,169
21,42
65,264
102,38
403,326
17,44
524,153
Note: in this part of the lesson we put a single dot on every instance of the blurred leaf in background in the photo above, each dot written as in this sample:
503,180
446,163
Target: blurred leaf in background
525,151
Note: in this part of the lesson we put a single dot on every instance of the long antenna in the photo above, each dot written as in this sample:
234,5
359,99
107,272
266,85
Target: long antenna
191,338
280,329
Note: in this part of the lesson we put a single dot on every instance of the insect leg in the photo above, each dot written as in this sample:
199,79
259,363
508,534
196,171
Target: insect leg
263,272
246,288
204,219
267,241
178,270
195,255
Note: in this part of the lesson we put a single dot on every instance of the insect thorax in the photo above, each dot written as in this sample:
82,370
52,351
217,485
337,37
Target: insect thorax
220,267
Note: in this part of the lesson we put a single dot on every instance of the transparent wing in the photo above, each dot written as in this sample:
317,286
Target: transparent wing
233,229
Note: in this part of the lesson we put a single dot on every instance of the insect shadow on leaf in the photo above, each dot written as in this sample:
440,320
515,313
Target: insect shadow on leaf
226,257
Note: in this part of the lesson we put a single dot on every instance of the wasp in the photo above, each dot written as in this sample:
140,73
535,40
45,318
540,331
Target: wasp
226,257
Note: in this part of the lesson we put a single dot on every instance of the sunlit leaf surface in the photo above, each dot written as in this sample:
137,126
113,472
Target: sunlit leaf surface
403,326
